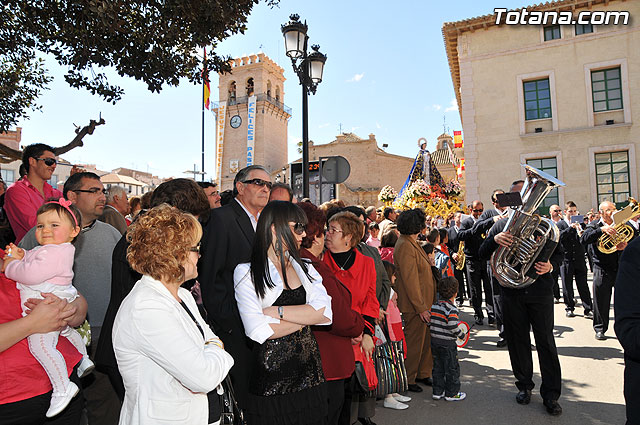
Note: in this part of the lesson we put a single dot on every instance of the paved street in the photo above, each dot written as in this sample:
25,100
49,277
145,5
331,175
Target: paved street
592,376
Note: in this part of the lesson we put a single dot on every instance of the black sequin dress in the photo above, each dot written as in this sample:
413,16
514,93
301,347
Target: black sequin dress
287,384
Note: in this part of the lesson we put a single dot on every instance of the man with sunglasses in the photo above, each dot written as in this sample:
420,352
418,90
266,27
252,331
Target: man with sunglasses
24,197
227,242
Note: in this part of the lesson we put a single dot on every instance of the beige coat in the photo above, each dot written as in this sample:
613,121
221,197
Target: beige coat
414,281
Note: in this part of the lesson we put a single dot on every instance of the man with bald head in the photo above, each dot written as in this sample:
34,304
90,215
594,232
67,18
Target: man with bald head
605,266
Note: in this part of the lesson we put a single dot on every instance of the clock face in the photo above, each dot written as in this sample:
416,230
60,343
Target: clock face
235,121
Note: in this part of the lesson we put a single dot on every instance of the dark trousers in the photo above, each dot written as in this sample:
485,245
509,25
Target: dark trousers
603,282
522,312
631,394
32,411
459,275
568,271
446,370
556,287
477,279
239,346
335,392
497,301
102,402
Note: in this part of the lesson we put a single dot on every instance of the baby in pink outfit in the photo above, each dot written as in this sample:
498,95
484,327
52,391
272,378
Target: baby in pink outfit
48,268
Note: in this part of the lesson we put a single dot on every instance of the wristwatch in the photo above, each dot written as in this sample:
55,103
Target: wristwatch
281,311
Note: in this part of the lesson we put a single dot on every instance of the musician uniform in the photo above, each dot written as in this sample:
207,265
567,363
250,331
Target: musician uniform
477,276
454,246
573,265
524,309
605,268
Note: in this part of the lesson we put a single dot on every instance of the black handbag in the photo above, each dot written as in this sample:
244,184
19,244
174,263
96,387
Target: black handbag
389,360
231,413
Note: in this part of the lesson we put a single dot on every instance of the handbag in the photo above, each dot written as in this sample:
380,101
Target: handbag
388,358
365,372
231,414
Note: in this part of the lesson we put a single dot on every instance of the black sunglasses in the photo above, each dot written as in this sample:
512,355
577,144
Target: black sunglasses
47,161
478,210
92,191
299,228
259,182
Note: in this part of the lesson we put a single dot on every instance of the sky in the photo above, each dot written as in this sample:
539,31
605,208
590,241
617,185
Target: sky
386,73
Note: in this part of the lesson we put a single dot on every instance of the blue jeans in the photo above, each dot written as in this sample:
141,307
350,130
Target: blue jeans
446,370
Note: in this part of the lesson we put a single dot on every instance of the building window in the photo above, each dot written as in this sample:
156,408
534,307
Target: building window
549,166
552,32
8,176
584,29
612,177
606,89
537,99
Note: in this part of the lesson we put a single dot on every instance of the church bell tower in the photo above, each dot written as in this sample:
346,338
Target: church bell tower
251,124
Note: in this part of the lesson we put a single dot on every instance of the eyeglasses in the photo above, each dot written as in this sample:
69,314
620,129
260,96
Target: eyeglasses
92,191
332,230
47,161
259,182
195,248
299,228
478,210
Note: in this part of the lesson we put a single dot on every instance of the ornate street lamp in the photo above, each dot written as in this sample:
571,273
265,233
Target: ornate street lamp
309,68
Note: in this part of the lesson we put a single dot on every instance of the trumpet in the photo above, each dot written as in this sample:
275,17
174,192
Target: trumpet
607,243
461,257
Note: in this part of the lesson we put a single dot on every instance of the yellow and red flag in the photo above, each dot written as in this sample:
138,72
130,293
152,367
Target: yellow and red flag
205,76
457,139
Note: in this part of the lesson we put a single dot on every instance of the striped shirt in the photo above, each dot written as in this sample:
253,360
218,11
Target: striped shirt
444,323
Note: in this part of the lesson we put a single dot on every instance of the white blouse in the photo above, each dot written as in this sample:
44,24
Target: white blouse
256,323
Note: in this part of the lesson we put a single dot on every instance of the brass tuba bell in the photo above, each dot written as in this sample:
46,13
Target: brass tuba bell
607,243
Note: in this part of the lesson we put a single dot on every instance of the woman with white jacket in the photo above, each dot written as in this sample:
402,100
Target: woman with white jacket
169,358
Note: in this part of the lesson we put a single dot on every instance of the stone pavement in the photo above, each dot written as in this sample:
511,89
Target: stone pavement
592,381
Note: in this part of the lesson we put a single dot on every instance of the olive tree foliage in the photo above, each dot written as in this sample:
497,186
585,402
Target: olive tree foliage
155,41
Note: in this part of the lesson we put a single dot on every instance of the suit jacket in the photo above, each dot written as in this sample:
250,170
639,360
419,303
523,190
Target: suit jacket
472,238
167,368
227,242
573,249
607,262
414,279
113,217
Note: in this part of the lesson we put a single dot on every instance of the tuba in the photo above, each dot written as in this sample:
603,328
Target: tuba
461,257
534,237
607,243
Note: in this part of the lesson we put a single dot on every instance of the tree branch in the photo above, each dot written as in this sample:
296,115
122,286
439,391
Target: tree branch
80,133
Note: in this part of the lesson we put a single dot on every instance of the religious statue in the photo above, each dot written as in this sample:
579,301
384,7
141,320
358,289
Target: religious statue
423,168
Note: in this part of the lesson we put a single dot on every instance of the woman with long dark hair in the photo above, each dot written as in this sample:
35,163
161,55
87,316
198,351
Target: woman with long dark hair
279,296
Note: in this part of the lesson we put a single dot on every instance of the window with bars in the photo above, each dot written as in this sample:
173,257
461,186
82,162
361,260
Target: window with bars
612,177
549,166
552,32
584,29
537,99
607,89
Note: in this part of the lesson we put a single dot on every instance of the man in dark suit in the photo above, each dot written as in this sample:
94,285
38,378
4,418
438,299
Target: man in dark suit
227,242
555,213
477,276
573,263
626,305
528,308
454,246
605,266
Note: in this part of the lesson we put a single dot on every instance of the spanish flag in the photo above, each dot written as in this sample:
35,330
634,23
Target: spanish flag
457,139
205,76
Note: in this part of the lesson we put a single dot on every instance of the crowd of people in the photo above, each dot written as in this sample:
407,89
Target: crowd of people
176,291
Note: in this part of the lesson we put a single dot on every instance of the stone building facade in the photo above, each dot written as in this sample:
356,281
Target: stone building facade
563,98
242,117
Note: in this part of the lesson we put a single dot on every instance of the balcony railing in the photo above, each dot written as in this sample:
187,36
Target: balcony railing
260,98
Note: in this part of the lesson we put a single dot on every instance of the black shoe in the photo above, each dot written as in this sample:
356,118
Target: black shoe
570,313
523,397
491,320
425,381
479,321
366,421
553,407
600,336
556,301
501,343
588,315
415,388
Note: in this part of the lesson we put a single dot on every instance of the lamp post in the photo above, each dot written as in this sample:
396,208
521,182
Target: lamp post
309,68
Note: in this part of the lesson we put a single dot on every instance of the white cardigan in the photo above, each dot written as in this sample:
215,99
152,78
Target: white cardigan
256,324
166,367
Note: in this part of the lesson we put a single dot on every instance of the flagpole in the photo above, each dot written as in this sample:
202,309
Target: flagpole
204,82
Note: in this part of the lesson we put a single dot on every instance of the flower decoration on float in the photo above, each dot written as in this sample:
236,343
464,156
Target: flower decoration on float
434,200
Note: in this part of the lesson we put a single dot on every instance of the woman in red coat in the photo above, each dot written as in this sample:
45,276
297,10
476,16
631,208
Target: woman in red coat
334,341
357,272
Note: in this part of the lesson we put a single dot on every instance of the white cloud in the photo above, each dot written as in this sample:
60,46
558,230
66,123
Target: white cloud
325,125
356,78
378,126
453,105
436,107
353,129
